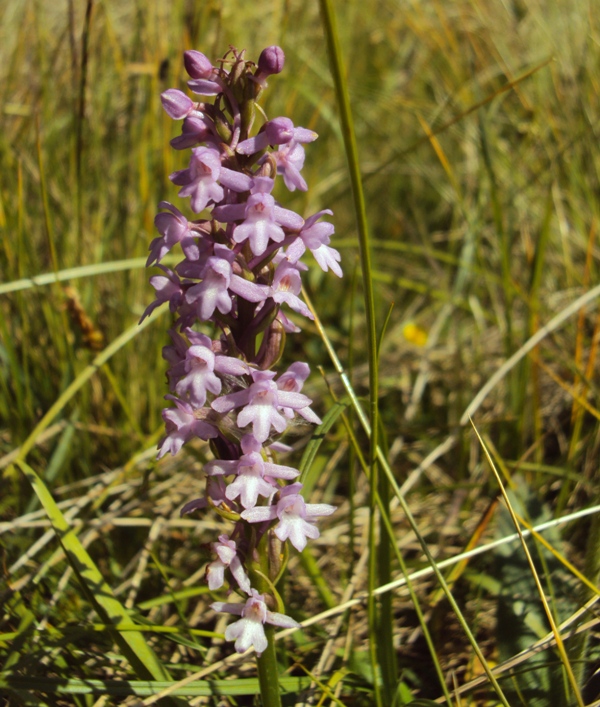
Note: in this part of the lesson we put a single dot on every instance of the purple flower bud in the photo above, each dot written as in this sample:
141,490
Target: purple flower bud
204,87
271,60
176,104
195,129
197,64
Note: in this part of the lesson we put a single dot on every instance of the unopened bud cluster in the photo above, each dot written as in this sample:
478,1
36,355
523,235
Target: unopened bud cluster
240,270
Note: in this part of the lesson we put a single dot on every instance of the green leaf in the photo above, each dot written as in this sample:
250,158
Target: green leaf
146,688
312,447
139,654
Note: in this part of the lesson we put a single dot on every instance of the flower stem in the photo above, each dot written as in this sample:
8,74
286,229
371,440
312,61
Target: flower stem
268,672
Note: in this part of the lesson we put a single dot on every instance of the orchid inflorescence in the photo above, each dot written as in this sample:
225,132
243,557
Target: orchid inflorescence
241,264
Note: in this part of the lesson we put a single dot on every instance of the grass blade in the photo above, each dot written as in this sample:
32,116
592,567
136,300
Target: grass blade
141,657
351,148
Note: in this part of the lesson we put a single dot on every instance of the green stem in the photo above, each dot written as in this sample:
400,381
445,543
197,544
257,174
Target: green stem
268,673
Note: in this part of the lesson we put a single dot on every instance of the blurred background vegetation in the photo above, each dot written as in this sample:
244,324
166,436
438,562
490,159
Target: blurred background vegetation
478,125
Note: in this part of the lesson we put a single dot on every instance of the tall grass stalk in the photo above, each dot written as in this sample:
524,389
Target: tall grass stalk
381,645
411,520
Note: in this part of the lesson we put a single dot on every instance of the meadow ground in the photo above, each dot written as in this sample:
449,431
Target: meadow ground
477,125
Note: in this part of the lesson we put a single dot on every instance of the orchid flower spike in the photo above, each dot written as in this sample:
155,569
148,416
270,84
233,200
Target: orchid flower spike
235,295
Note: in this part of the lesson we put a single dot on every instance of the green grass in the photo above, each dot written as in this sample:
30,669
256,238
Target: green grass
476,126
